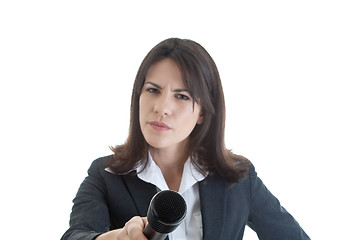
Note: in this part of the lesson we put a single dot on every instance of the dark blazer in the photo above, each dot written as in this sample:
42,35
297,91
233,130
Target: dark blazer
106,201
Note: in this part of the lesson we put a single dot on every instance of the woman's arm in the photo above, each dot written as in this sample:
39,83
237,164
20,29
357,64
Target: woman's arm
89,216
267,217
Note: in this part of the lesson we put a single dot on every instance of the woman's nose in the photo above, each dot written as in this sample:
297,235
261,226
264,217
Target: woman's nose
163,105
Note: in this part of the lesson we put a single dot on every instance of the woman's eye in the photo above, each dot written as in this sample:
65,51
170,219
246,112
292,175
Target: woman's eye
152,90
182,97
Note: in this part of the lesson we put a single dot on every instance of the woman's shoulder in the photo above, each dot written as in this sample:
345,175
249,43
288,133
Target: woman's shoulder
99,165
101,161
103,166
245,173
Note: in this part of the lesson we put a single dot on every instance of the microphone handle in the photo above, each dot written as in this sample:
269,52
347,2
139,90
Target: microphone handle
151,234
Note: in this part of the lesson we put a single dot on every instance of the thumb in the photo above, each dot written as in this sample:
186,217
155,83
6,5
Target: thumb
144,219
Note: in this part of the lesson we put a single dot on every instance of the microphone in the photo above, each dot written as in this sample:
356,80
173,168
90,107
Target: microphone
166,211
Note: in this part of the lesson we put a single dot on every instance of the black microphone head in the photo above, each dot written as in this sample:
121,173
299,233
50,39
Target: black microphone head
167,210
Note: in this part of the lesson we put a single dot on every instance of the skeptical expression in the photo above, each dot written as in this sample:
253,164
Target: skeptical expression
167,113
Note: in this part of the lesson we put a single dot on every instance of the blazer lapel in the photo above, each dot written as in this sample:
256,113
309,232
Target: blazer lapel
141,193
213,209
212,201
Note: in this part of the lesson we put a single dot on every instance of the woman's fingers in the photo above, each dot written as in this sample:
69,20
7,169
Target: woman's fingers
135,227
133,230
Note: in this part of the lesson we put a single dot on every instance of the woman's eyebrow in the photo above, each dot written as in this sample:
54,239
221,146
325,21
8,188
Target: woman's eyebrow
154,84
176,90
180,90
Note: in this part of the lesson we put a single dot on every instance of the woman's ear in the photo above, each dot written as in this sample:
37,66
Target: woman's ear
200,118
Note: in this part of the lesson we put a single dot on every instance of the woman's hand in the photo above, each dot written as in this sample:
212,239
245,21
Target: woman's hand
133,230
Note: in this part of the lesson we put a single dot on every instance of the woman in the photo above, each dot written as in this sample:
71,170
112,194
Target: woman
176,142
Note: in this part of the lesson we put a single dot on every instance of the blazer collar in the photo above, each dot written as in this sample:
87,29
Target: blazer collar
141,193
213,201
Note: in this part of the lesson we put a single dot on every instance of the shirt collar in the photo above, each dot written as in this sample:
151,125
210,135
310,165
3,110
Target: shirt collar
152,174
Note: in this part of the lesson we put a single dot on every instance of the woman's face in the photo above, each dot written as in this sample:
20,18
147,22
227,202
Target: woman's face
166,111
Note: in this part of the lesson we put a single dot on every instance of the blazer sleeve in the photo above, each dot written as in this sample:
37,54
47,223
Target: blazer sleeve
89,217
267,217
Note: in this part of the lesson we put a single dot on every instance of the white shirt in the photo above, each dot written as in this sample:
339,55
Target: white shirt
191,227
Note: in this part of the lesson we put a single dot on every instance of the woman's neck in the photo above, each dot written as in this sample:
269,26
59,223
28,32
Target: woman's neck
171,164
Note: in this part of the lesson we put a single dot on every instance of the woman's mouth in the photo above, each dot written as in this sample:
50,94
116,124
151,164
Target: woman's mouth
159,126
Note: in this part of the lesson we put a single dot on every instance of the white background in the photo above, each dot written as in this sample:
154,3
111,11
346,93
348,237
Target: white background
290,72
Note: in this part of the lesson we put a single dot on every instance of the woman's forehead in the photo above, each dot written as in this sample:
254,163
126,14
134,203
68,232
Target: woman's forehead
165,71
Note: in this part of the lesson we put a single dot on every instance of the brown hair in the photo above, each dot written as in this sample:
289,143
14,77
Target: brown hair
206,142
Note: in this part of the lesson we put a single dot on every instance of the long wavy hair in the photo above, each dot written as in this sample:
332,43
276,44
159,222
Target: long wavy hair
206,142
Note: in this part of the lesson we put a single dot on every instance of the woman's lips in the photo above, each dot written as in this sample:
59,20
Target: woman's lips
159,126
